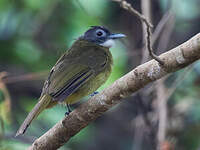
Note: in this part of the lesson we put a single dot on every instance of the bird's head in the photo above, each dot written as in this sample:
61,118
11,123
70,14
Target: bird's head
101,36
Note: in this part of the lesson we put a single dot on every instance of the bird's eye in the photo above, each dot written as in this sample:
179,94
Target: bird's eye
100,33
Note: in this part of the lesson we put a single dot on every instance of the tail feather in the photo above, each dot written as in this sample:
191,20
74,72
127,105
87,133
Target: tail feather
39,107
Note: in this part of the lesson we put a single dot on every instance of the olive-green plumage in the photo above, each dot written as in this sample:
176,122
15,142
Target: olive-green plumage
85,62
78,73
86,58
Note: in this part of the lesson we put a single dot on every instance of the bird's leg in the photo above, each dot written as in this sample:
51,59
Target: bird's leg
93,94
68,110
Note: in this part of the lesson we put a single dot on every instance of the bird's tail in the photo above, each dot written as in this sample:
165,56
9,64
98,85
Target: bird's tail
39,107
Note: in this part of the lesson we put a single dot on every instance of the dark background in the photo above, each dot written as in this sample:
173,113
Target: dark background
34,33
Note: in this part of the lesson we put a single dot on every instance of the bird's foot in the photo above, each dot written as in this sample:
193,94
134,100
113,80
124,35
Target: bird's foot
68,110
67,113
93,94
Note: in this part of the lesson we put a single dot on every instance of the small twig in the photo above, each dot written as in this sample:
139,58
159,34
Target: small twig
146,11
134,12
24,139
149,47
26,77
156,33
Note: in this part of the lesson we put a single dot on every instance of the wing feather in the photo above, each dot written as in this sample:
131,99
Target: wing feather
72,85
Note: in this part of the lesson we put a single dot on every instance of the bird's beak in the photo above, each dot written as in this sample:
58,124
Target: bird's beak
117,36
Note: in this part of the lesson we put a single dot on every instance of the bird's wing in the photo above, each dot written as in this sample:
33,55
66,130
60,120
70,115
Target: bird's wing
63,83
72,71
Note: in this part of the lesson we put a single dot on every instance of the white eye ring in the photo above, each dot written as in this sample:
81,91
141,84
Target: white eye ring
100,33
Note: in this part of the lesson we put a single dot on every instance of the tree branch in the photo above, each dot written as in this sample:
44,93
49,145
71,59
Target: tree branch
174,60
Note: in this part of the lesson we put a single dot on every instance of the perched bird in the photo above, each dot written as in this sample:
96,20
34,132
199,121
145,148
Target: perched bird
79,72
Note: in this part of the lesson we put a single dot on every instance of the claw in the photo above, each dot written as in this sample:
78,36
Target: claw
68,110
93,94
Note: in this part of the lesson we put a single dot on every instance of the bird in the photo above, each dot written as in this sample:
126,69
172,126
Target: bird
79,72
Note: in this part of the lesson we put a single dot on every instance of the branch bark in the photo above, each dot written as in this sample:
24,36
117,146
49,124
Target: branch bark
174,60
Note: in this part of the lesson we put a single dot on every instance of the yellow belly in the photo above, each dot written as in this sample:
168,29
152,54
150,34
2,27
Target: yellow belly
90,87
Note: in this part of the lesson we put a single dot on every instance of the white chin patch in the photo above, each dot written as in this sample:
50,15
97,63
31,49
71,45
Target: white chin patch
109,43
